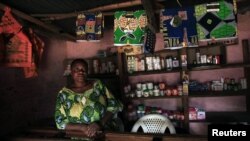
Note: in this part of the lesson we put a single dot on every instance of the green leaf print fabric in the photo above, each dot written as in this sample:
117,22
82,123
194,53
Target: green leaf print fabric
86,107
129,27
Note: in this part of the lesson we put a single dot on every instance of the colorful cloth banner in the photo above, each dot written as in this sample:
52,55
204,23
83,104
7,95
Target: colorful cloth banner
178,27
9,25
216,20
30,72
89,27
37,46
18,51
129,27
17,47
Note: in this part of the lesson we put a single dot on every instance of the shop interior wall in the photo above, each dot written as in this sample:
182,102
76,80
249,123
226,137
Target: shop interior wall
24,101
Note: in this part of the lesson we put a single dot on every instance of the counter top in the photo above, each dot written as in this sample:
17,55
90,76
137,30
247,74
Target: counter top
127,136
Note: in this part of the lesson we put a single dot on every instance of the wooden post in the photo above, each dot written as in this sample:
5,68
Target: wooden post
150,11
245,50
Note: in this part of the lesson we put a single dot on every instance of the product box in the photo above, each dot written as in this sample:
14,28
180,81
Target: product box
130,50
201,114
192,113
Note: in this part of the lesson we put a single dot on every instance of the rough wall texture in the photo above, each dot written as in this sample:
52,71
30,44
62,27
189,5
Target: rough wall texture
25,101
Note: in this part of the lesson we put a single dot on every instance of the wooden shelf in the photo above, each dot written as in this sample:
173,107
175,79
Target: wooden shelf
153,72
225,117
154,97
198,68
221,66
191,47
211,117
219,93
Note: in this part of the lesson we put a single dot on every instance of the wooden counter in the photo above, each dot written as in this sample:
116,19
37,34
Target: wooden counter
50,134
126,136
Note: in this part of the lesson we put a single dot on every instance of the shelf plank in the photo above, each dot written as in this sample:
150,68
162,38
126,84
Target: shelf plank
154,97
198,94
190,68
219,93
153,72
221,66
225,117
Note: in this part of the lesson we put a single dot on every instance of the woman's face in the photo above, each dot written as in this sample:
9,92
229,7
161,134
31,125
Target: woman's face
79,72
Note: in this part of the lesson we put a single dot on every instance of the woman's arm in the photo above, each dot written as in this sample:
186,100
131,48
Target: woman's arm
76,127
80,129
108,116
93,128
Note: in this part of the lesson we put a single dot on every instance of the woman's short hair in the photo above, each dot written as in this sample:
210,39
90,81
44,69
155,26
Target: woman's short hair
79,60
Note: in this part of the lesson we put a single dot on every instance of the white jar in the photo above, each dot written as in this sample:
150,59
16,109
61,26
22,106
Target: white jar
146,94
138,86
144,86
150,86
138,93
156,92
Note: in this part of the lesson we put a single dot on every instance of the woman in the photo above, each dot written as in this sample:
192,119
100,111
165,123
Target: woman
85,106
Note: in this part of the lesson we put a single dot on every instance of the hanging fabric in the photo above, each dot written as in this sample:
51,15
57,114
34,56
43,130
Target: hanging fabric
31,72
216,21
17,51
89,26
9,25
129,28
178,27
37,46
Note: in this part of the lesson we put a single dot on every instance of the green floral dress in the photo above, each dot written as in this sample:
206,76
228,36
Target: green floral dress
87,107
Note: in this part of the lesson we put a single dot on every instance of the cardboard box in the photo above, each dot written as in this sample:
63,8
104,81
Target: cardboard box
130,50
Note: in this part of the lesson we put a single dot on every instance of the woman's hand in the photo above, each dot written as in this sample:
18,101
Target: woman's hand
92,129
84,129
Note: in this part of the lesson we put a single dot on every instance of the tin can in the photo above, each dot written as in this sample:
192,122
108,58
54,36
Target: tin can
174,92
216,59
243,83
168,92
179,88
156,92
162,86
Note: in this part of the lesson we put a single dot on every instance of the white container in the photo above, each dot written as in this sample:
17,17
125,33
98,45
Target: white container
243,83
150,86
138,86
138,93
144,86
156,92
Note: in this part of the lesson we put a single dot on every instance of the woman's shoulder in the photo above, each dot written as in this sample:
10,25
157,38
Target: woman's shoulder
94,81
66,90
97,82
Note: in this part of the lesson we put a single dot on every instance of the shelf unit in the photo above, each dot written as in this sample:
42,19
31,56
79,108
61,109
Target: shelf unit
234,116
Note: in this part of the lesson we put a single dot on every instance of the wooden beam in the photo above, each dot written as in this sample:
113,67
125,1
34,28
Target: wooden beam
101,8
48,27
61,17
149,6
38,139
